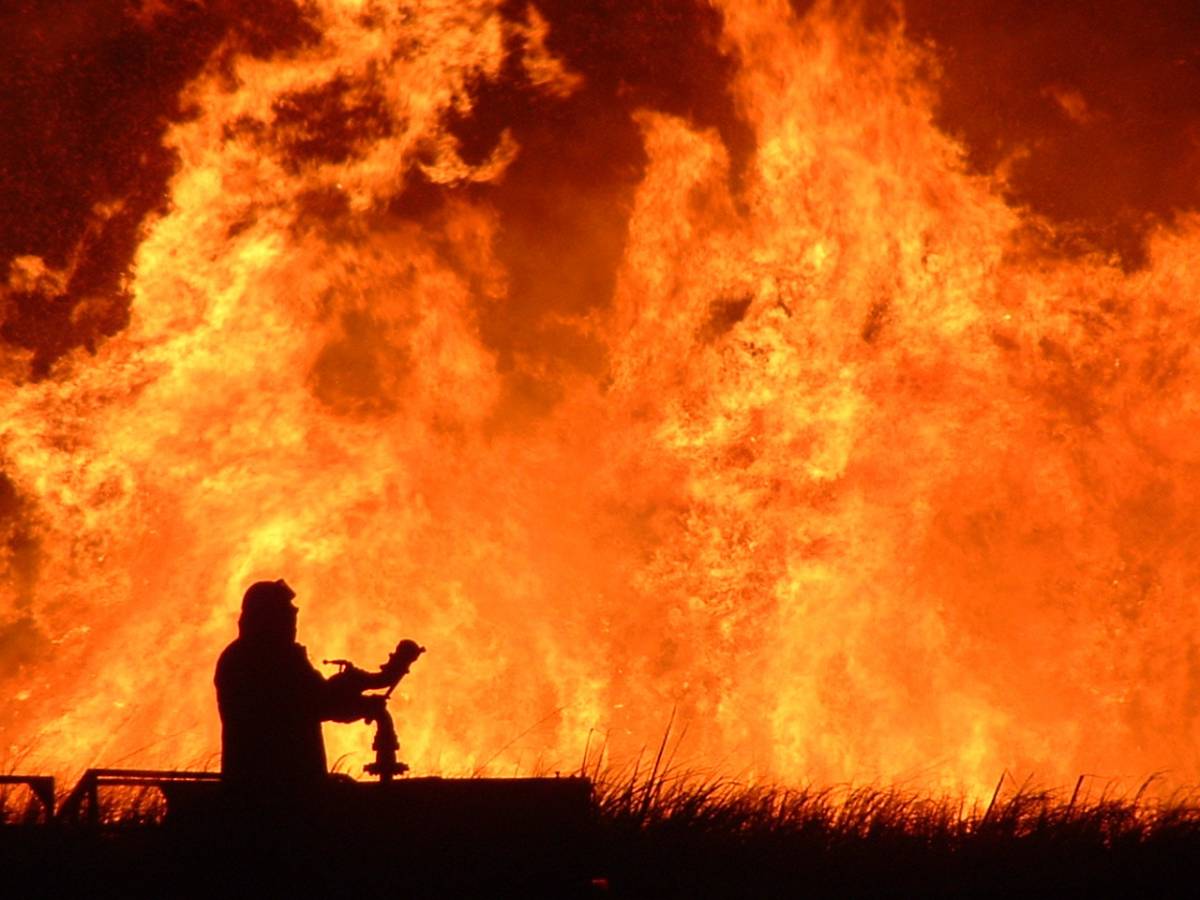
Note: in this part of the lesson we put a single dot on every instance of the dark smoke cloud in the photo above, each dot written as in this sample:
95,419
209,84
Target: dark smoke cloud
1097,105
564,203
87,90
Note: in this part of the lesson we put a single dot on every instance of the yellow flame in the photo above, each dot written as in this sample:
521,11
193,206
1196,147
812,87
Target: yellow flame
871,490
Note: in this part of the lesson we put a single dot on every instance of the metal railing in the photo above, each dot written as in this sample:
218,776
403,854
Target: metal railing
82,805
41,786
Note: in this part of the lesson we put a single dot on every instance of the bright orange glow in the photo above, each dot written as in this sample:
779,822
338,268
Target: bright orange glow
866,486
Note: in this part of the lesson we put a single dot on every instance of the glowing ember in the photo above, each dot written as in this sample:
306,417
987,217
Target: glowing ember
634,358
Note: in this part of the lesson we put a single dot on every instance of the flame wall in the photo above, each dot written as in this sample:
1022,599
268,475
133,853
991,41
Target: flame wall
636,358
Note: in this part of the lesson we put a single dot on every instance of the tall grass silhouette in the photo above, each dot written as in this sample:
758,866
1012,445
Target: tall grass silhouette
661,832
670,834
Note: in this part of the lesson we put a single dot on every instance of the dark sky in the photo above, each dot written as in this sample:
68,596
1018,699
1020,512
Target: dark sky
1103,97
1094,109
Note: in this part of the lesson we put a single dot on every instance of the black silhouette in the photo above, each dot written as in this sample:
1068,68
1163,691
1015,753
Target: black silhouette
272,701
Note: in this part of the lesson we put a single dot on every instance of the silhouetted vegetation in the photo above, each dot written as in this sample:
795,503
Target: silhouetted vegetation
657,836
674,837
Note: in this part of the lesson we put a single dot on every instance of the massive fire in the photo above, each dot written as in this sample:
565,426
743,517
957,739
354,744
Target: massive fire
643,361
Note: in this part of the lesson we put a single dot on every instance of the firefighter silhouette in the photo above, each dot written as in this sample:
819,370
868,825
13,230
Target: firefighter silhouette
272,701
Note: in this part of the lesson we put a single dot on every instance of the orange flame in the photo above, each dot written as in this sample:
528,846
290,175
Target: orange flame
850,473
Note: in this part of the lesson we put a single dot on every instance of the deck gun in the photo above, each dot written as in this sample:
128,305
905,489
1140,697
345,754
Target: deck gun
351,702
